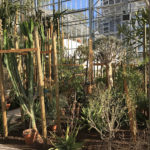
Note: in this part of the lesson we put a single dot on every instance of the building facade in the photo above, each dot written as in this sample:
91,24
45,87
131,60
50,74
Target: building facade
112,13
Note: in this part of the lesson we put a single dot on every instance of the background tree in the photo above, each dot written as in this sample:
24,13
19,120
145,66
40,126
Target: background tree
135,34
109,50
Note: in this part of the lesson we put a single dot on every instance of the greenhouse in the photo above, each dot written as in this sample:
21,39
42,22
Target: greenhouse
75,74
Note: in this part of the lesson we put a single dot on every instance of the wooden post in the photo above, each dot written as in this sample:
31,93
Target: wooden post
52,28
50,65
131,108
148,6
56,81
62,30
58,30
3,102
145,58
41,86
90,76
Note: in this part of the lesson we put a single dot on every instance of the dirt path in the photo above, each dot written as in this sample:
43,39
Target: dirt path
15,114
15,147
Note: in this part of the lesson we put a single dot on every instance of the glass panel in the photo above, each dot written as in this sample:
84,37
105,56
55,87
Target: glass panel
106,27
105,2
111,1
118,1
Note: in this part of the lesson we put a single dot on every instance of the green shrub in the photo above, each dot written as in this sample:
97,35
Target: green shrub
105,112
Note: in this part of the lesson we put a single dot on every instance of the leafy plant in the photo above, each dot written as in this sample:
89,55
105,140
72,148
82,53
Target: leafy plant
105,112
68,142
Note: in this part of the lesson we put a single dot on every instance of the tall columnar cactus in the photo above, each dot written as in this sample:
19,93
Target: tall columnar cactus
25,97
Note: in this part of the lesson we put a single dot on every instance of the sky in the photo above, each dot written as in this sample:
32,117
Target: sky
70,4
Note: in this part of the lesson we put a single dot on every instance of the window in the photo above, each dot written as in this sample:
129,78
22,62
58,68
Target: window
118,22
112,10
118,9
105,2
126,17
106,27
105,11
112,25
111,1
118,1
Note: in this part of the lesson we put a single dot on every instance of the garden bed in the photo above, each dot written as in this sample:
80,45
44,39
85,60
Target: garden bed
90,139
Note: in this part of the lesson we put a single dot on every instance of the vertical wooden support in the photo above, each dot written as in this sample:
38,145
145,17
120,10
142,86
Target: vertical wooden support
58,30
148,6
41,86
145,58
97,68
56,81
62,30
90,74
52,28
15,31
148,92
3,102
58,38
131,108
50,65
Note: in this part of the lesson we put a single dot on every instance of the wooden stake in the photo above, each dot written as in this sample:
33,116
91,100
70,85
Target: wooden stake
90,66
56,81
51,26
58,30
3,102
41,86
15,31
145,58
62,30
50,66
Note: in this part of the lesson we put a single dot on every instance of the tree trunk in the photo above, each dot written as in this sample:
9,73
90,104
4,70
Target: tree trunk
3,103
41,86
109,75
90,67
56,81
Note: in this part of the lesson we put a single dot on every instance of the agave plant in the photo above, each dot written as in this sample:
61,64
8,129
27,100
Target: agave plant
68,142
